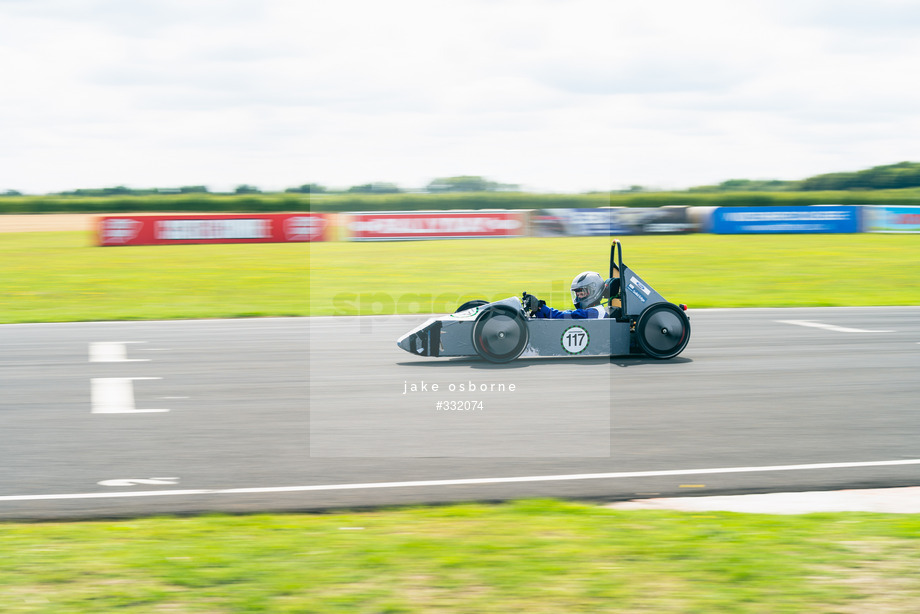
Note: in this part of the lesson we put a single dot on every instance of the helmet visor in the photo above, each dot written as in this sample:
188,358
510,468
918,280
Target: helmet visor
579,294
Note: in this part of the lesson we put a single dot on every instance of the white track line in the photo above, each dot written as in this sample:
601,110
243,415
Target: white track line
115,395
112,351
839,329
461,482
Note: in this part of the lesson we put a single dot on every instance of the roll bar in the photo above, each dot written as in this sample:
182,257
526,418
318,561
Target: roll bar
616,260
616,256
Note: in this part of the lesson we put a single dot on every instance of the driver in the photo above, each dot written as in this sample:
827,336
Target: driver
588,289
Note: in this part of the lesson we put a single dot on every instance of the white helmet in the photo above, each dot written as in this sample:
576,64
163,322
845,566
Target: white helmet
587,289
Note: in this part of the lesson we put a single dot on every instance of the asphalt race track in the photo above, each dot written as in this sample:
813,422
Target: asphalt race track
111,419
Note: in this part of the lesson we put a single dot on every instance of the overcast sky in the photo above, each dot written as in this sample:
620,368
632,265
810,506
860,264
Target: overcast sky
554,95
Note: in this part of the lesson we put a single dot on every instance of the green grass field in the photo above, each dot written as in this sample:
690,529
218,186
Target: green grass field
59,277
62,277
528,556
700,270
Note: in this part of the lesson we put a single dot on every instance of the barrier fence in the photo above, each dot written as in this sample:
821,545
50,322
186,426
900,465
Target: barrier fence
433,225
892,219
208,228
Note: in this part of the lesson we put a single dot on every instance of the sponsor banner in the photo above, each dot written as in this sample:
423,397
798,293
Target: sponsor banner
607,221
891,219
785,220
401,226
206,228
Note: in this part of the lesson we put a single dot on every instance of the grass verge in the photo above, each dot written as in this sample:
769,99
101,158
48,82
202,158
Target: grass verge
700,270
530,556
62,277
59,277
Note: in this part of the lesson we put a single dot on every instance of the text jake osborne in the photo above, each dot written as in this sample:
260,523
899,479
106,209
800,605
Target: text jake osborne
467,386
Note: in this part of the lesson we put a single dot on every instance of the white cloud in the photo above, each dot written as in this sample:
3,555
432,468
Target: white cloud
568,96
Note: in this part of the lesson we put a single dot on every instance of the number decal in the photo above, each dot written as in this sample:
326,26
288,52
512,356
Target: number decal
575,340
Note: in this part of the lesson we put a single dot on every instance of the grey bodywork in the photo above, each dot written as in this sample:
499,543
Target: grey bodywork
452,335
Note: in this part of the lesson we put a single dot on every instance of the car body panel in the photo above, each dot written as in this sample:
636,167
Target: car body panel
453,334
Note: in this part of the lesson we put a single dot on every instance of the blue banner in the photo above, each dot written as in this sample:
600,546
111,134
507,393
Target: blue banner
784,220
891,219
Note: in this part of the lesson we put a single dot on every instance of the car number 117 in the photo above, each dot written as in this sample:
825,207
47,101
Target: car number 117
575,339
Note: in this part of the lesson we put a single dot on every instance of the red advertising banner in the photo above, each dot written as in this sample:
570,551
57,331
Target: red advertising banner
207,228
436,225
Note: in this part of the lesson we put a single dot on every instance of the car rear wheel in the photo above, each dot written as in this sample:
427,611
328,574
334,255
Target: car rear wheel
500,334
663,330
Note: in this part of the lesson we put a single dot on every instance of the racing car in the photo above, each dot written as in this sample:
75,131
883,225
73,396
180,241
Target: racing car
643,322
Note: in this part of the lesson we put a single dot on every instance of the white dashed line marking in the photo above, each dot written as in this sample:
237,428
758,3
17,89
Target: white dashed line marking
115,395
839,329
139,481
112,351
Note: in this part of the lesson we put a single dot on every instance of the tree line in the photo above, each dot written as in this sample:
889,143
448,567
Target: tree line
888,177
441,185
